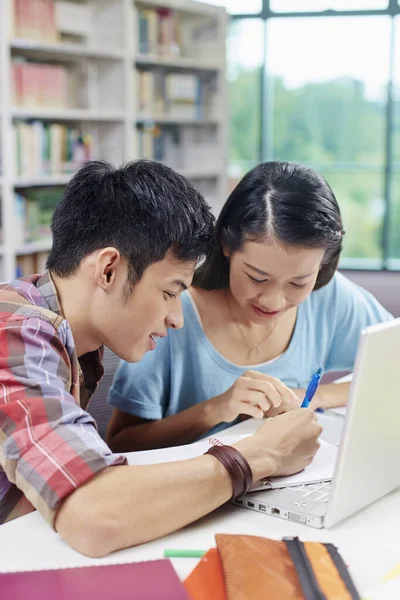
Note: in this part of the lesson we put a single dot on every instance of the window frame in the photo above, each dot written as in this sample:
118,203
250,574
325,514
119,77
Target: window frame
392,10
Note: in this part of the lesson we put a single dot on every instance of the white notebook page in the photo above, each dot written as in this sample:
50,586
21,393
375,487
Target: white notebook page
321,469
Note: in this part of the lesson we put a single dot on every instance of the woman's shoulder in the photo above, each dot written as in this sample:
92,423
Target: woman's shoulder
209,305
336,290
341,296
342,289
207,300
322,304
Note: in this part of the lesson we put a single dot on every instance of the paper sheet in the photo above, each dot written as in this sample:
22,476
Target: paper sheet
390,590
340,410
321,469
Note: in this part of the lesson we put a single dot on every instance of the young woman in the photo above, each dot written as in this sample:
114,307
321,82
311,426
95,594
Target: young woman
266,310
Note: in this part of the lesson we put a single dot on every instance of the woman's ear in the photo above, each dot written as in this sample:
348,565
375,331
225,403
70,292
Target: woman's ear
225,251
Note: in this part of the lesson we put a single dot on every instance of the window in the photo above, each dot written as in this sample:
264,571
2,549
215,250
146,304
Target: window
394,222
321,5
245,59
239,7
314,89
327,109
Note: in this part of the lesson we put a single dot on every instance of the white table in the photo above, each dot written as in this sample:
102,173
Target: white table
368,542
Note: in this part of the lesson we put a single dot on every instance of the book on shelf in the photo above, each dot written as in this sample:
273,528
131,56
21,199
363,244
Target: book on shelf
27,264
40,85
35,20
180,147
33,212
161,144
200,146
159,32
184,96
49,148
175,95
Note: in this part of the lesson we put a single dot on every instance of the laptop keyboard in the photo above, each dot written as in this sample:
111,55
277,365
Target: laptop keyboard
317,492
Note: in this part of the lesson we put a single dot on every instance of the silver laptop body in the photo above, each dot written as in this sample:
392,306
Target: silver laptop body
368,463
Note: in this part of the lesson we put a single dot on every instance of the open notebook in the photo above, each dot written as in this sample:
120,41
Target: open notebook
321,469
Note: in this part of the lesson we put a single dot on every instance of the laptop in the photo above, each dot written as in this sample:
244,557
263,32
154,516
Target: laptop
367,467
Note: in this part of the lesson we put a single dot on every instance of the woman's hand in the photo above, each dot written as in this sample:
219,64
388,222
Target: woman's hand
253,394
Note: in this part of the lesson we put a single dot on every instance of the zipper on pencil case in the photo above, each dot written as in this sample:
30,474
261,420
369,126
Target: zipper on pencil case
305,573
343,571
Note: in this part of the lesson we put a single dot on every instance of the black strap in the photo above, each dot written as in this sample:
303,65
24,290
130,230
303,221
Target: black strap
343,572
304,570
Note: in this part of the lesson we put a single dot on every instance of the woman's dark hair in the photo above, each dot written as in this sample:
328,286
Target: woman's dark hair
281,200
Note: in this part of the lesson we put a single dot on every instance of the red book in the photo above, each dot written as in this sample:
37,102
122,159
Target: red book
22,19
16,78
150,580
41,19
17,18
51,21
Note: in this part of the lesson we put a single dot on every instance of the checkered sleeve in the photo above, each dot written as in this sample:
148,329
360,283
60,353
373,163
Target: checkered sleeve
49,446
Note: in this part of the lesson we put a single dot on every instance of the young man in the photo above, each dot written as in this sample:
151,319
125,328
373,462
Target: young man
125,244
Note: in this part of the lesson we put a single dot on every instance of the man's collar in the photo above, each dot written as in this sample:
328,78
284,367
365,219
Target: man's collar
45,285
90,365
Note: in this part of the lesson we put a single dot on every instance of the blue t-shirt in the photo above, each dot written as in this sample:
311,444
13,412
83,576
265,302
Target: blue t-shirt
185,368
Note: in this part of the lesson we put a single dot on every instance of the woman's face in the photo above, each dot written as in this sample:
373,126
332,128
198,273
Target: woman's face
267,279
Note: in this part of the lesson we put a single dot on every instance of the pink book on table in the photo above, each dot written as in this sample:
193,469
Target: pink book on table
150,580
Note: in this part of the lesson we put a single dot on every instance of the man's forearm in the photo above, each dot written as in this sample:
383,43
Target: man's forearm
126,506
182,428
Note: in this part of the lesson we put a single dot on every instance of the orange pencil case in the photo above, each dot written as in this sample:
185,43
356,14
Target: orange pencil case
245,567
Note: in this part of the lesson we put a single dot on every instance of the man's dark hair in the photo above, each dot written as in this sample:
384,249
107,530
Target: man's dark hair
143,209
286,201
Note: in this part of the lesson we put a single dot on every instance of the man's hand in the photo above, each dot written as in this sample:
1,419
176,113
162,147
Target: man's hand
283,445
253,394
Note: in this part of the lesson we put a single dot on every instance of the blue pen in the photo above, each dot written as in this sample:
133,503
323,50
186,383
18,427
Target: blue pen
312,388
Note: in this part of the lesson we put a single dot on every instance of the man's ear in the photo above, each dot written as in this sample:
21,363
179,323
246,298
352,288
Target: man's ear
107,262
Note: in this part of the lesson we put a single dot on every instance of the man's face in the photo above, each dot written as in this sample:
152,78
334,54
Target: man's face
130,325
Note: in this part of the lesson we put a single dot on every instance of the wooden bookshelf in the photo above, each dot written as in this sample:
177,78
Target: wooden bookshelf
33,247
199,173
178,63
97,49
66,114
54,51
190,7
42,181
167,120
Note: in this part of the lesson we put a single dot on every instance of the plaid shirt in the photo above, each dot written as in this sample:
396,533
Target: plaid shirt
49,445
